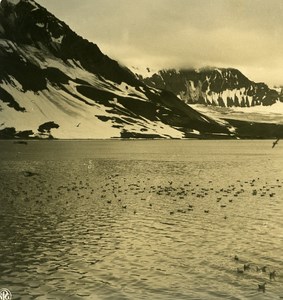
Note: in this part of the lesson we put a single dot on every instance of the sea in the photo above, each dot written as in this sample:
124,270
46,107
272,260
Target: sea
141,219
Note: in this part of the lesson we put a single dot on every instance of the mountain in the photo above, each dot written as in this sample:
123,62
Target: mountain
211,86
54,83
252,109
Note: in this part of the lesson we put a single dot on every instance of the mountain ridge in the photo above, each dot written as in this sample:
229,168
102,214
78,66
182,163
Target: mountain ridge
225,87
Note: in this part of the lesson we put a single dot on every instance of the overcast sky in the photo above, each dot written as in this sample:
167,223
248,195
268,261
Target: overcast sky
246,34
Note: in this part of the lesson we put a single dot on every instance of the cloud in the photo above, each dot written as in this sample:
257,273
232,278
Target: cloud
183,33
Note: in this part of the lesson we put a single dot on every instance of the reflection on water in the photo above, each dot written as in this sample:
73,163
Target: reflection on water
141,219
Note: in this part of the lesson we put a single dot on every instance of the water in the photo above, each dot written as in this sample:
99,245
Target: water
141,219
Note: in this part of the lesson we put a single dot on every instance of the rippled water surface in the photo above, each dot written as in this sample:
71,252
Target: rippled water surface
141,219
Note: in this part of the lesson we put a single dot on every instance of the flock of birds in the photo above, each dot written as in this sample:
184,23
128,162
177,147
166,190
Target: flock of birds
246,267
119,191
186,197
189,197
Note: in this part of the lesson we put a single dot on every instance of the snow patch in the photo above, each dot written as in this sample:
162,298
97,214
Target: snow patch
276,108
267,114
75,118
41,25
241,94
219,71
155,128
7,46
72,68
127,89
13,2
145,72
192,85
195,132
2,29
32,3
57,40
75,63
60,107
250,100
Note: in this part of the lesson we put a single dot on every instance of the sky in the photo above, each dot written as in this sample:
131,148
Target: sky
244,34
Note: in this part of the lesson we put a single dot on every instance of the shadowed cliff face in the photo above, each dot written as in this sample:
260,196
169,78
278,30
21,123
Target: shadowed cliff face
30,24
212,86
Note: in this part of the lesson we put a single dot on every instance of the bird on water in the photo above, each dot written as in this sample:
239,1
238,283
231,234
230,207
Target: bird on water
261,286
272,275
261,269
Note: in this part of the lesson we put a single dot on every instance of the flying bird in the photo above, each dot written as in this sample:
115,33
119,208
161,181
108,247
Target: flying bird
275,143
78,124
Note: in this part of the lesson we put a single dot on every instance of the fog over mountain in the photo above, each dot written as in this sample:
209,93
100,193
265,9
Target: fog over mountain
244,34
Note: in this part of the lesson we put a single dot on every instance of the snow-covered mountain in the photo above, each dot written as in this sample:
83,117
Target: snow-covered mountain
55,83
225,95
211,86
